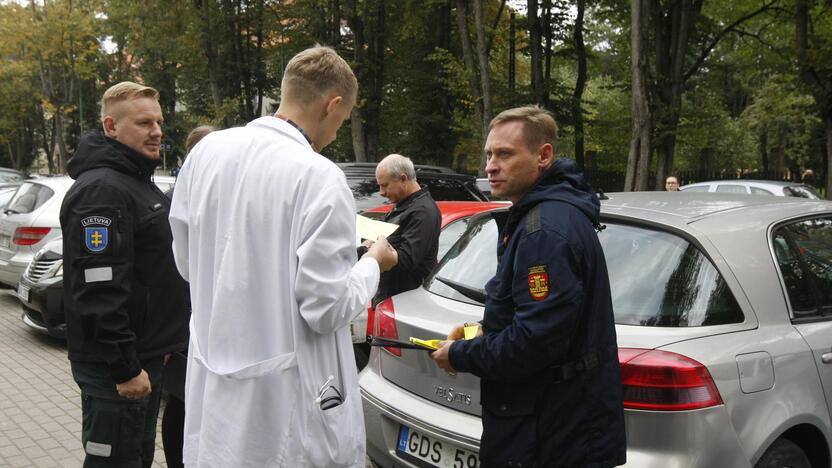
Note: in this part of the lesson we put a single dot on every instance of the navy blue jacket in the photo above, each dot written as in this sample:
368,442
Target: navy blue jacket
550,379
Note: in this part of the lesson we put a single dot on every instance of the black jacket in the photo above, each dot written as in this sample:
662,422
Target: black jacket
124,299
550,379
416,241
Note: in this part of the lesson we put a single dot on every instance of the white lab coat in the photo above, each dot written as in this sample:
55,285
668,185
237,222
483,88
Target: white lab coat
264,230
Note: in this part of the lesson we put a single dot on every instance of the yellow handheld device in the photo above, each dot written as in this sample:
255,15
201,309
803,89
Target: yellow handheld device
429,344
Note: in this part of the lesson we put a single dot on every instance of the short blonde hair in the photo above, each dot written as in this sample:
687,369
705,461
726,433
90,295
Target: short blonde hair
539,126
122,92
315,72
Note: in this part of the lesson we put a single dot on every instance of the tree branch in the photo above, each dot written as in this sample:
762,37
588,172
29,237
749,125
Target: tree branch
494,28
731,27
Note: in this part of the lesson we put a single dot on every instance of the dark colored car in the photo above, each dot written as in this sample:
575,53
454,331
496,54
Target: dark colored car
41,291
443,183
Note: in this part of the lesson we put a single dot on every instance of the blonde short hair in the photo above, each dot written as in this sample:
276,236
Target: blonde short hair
122,92
314,73
539,126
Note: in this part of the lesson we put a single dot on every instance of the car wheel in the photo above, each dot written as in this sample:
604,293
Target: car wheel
784,453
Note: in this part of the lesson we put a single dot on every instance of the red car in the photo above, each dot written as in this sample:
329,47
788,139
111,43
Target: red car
455,215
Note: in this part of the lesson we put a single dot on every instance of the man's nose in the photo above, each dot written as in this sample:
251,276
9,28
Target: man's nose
156,130
490,166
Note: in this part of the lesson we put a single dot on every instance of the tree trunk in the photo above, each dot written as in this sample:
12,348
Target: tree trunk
211,55
638,161
764,150
672,35
828,122
468,57
580,83
535,45
60,144
358,142
485,78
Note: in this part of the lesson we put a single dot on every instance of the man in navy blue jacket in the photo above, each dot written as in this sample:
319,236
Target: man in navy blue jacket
546,353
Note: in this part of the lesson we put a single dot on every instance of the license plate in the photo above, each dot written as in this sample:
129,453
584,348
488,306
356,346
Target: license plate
23,292
427,451
4,241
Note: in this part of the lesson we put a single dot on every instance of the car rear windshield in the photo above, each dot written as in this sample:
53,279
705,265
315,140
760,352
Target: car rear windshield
29,197
656,278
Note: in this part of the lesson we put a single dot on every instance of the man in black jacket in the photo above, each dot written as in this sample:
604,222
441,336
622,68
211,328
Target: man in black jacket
546,356
124,299
417,239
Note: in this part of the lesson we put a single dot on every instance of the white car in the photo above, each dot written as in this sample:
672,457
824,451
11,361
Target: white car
754,187
28,222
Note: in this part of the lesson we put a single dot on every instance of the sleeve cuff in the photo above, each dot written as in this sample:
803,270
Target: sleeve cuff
123,371
457,356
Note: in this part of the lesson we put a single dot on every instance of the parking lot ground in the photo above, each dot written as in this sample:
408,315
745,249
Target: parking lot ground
40,405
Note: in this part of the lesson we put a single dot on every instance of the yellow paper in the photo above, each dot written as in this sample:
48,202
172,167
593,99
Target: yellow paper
470,331
431,344
371,229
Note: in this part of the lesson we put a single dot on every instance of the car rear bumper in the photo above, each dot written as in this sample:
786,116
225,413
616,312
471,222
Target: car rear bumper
43,311
387,407
692,439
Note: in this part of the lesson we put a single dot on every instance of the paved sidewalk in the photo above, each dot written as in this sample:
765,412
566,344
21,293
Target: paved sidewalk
40,405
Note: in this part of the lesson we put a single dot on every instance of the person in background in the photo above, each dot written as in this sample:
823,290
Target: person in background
173,418
264,230
671,184
546,353
416,240
123,298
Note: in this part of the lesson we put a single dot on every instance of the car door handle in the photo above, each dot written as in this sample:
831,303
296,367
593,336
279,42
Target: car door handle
826,358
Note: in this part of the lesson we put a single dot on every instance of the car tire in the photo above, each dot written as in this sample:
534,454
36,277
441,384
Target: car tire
784,453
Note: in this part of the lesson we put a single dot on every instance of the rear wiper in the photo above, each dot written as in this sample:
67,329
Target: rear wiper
467,291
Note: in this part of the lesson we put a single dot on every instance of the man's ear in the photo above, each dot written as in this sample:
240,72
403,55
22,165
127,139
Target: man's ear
546,155
109,125
332,103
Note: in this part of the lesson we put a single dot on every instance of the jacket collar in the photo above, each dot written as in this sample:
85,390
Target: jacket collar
96,150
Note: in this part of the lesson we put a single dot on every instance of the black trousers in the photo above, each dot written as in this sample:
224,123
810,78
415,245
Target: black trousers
173,431
116,431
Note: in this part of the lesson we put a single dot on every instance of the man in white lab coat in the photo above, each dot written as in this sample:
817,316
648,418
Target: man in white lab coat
264,230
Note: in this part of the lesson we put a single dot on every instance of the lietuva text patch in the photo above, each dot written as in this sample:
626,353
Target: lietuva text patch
538,282
96,233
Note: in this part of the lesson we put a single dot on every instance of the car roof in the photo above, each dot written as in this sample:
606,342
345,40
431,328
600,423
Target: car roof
56,182
453,210
685,208
770,183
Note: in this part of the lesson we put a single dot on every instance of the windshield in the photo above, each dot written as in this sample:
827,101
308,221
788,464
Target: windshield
656,278
801,191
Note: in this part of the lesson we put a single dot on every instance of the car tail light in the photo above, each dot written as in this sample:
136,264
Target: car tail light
371,320
29,235
664,381
385,324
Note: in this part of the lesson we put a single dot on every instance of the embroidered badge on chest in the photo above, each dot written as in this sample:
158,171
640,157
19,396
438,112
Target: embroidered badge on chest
538,282
96,233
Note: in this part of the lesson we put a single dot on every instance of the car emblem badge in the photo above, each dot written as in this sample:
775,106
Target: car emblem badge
538,282
452,396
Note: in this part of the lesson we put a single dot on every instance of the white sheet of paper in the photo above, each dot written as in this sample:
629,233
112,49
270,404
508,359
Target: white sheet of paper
367,228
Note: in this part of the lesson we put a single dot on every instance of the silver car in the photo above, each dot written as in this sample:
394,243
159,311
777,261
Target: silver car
755,187
723,308
28,222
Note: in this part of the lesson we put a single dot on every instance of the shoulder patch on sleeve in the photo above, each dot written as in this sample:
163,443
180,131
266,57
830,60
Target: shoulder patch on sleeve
96,233
538,280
